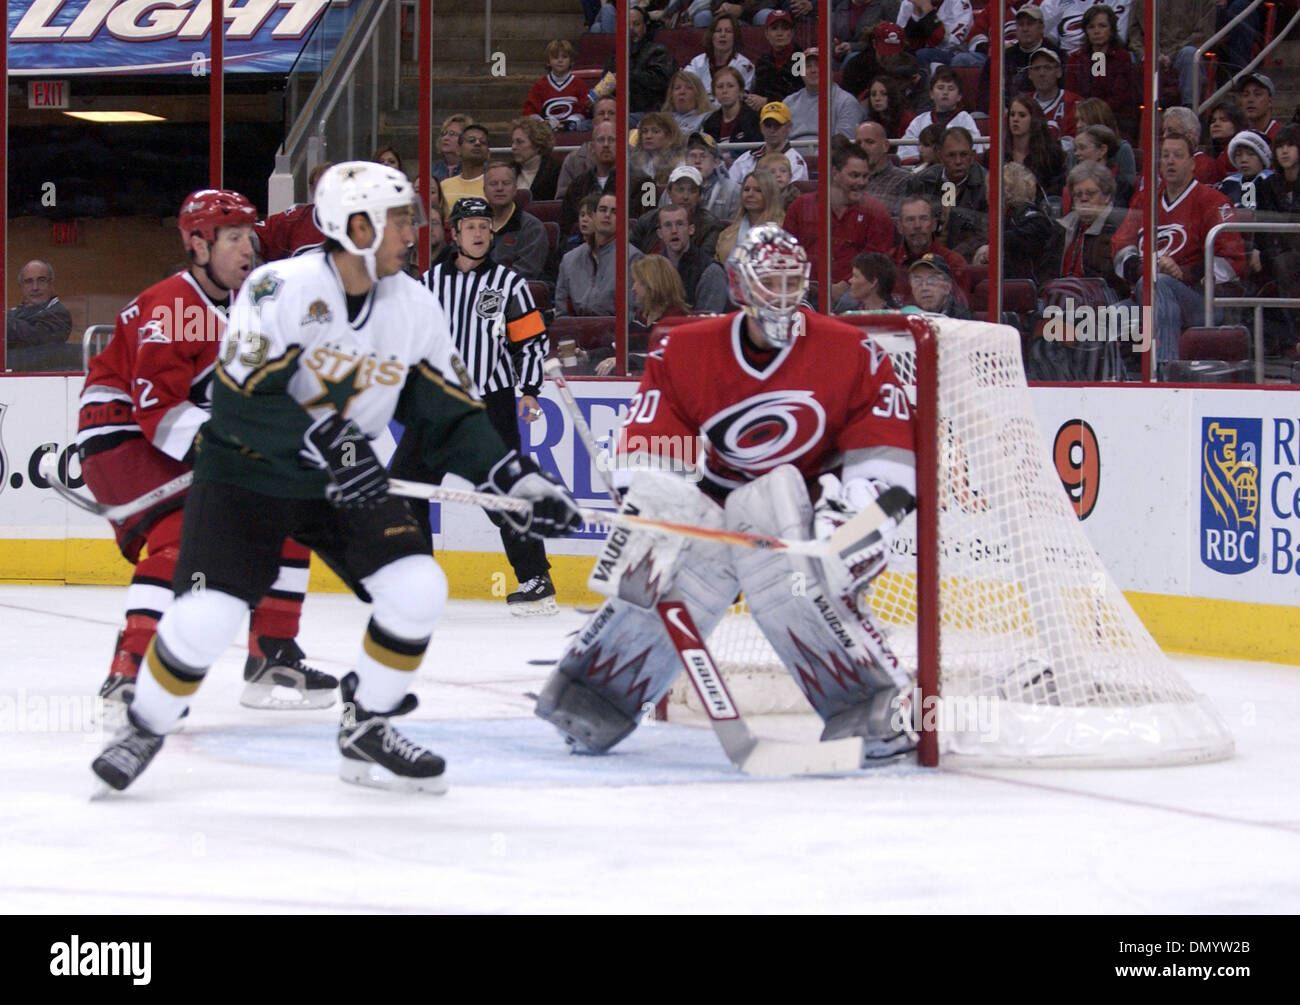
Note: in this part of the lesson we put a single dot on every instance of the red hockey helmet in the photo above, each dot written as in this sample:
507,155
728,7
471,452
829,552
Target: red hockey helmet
204,211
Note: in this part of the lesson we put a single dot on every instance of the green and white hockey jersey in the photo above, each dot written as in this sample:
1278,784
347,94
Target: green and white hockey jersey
291,355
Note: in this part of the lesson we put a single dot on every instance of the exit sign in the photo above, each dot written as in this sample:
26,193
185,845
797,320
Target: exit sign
47,94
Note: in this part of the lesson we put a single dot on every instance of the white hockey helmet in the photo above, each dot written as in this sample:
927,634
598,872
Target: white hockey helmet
362,187
768,272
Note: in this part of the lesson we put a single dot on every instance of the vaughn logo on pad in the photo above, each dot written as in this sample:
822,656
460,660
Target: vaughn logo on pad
1230,477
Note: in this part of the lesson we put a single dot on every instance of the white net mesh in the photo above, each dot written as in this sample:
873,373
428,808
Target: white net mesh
1042,660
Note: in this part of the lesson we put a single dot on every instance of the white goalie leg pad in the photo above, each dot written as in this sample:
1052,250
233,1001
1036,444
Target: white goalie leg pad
639,565
837,655
623,660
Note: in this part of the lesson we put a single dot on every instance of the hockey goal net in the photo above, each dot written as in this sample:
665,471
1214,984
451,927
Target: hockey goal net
1026,651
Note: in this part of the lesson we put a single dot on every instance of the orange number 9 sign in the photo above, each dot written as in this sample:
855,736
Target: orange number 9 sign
1078,463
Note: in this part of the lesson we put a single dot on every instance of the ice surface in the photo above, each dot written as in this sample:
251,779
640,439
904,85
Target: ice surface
242,811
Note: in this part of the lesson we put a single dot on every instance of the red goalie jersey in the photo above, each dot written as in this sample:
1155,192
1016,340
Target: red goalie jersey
831,391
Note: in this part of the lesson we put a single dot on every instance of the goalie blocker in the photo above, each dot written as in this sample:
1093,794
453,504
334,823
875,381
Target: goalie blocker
624,661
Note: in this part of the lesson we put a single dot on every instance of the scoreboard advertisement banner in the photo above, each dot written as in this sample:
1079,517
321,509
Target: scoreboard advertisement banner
70,37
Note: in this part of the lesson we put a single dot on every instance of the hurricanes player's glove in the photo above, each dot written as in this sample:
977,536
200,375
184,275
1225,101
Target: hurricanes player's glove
838,504
335,445
555,513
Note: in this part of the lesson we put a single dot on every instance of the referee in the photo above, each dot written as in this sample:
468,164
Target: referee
501,337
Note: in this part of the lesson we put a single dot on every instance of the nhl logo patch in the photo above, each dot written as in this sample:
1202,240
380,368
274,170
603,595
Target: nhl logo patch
490,303
317,313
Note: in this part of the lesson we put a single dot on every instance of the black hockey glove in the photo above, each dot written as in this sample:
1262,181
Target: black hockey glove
335,445
555,513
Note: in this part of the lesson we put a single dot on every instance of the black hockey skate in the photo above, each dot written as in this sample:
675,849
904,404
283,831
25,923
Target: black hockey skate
534,596
127,754
376,754
299,686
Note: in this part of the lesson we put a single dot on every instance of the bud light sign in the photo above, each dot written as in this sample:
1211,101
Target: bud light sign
1230,479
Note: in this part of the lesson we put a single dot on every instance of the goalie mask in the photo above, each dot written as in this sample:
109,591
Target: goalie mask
768,272
363,187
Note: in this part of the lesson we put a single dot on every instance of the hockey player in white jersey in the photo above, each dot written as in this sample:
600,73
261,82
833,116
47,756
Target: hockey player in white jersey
782,397
321,351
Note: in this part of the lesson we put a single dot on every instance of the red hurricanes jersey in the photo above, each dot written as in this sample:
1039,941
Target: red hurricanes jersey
831,391
1182,227
558,99
292,232
160,362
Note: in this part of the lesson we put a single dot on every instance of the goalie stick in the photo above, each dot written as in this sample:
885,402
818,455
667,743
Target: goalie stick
750,754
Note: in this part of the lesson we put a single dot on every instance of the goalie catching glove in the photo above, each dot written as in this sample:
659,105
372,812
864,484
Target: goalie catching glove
337,446
554,514
852,572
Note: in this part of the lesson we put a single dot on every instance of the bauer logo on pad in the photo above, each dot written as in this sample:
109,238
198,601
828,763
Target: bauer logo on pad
1230,459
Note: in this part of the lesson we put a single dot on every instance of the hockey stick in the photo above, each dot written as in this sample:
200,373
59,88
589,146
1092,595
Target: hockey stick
121,511
747,752
555,371
861,531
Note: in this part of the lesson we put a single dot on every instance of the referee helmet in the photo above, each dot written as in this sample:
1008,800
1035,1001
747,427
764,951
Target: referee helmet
468,207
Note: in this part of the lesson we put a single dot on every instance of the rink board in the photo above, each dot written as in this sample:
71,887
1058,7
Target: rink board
1190,495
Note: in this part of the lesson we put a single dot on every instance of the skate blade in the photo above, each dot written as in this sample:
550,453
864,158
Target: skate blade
374,777
276,697
535,608
100,790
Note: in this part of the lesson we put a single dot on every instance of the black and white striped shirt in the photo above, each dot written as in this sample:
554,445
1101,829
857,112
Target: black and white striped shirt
495,324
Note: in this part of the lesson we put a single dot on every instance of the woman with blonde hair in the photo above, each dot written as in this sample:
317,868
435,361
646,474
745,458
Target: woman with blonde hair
657,147
1027,231
531,142
760,202
657,293
687,102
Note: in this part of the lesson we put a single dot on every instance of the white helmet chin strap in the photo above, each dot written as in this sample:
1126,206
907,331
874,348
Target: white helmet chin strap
367,255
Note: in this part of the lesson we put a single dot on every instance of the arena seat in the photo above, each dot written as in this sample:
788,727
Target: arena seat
541,294
594,50
546,210
1228,343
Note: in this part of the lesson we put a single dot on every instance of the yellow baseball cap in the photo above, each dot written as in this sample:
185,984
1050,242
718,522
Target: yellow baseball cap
775,110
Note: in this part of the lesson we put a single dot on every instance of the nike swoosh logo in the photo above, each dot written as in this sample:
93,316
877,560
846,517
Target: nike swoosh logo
674,615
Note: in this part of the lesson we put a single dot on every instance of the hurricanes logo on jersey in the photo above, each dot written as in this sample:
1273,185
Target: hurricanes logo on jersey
766,430
489,303
1230,470
558,108
1171,238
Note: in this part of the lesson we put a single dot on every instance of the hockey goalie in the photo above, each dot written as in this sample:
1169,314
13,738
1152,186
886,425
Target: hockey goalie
802,423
